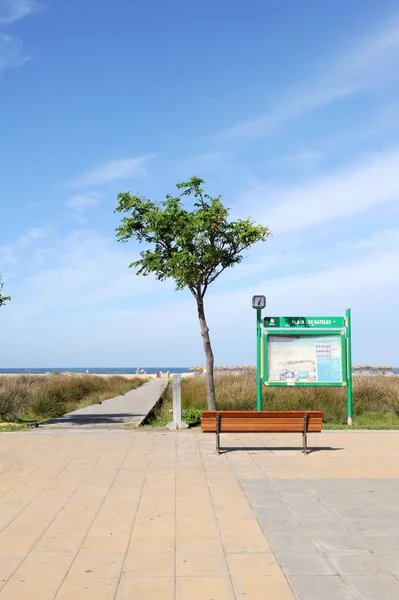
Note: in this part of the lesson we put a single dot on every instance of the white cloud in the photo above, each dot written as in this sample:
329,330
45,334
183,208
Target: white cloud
11,52
78,204
113,170
367,64
370,182
13,10
93,328
9,252
86,269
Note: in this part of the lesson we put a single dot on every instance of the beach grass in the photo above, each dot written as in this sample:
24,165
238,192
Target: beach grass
31,398
375,400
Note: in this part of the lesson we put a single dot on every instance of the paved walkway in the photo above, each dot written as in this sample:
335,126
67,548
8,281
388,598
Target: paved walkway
147,515
132,408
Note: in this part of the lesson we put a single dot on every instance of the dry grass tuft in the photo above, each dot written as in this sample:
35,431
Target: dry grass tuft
30,397
237,391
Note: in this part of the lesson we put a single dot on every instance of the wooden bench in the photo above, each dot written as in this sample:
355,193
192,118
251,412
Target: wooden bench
237,421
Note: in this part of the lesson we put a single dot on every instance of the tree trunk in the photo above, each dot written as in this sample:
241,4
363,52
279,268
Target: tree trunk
210,381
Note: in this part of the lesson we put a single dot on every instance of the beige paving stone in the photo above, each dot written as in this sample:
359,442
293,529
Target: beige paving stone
188,509
151,588
204,588
8,564
209,564
106,545
86,589
158,501
259,588
102,527
244,527
251,565
225,489
192,525
92,565
61,545
15,546
64,528
165,526
149,565
7,515
154,543
30,589
199,542
232,507
39,565
158,512
25,528
241,542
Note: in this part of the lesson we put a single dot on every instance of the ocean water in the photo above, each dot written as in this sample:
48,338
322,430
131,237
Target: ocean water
109,370
99,370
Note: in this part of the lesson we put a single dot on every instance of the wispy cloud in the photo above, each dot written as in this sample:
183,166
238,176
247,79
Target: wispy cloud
83,269
78,204
368,63
11,52
113,170
13,10
8,252
369,182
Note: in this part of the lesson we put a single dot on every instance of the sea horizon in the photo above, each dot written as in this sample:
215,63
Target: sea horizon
104,370
94,370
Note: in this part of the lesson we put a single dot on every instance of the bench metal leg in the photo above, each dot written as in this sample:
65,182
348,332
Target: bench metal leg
304,434
218,419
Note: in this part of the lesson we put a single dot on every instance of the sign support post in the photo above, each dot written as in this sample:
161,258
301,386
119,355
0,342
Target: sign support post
258,358
349,366
258,302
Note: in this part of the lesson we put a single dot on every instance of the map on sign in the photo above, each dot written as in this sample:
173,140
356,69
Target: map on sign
306,358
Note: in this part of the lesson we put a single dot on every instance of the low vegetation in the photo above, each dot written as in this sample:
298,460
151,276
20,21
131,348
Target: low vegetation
375,400
25,398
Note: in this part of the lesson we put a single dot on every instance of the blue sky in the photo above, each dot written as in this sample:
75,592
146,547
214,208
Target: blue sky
289,109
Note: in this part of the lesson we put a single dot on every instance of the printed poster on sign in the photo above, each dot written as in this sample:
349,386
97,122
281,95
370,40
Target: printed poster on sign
307,358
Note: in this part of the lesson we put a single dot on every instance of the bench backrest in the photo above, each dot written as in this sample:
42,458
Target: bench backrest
264,421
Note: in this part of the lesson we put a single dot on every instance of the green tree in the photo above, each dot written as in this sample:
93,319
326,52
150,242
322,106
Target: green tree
193,247
3,299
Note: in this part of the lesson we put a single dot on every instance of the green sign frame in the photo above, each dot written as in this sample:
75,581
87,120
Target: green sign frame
301,327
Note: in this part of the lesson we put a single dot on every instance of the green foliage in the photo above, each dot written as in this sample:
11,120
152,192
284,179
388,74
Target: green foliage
192,416
3,299
193,247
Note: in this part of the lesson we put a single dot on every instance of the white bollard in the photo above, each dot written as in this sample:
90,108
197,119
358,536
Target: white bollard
177,422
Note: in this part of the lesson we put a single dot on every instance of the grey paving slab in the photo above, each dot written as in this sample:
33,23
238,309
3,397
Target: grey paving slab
292,543
339,542
304,564
356,563
334,539
374,587
391,561
132,408
321,587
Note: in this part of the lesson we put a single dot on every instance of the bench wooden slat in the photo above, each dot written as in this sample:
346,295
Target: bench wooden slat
260,428
262,422
258,414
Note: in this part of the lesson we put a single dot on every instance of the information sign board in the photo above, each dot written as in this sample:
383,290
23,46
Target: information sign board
305,358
